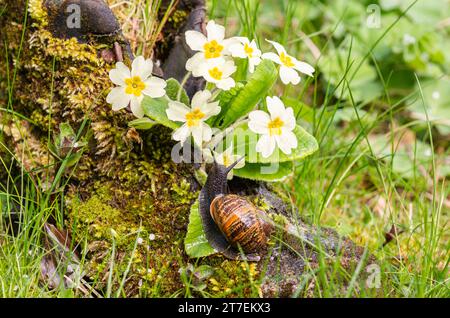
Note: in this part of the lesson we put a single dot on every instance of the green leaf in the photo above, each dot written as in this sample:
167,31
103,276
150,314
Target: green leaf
254,90
174,88
142,123
265,172
155,108
195,243
301,110
245,144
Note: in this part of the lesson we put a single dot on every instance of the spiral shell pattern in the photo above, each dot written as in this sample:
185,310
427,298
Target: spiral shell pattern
239,221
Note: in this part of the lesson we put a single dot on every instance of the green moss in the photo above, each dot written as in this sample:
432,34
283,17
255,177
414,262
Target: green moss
125,186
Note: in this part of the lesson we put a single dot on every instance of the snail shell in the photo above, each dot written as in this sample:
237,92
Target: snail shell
240,222
229,220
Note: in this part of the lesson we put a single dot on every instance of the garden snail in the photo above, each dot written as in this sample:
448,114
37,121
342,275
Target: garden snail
230,221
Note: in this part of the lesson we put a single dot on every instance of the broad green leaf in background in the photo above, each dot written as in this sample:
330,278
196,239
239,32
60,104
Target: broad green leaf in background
254,90
436,103
155,108
363,81
174,88
407,157
265,172
245,140
195,244
422,12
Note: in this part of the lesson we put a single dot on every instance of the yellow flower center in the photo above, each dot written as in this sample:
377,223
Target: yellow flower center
286,60
226,160
135,86
275,126
216,73
194,117
212,49
248,50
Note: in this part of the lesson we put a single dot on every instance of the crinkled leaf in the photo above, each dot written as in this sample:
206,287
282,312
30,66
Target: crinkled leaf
174,88
254,90
225,98
155,108
195,243
265,172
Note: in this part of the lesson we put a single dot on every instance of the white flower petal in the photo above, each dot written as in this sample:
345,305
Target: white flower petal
177,111
253,62
119,74
197,134
155,87
237,50
275,106
207,132
289,119
181,134
286,142
200,99
142,67
258,122
266,145
227,43
228,68
210,110
195,40
244,40
118,98
303,67
272,56
289,75
193,64
136,107
226,84
280,49
256,50
215,31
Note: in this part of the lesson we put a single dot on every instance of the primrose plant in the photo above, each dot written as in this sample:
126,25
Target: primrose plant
234,116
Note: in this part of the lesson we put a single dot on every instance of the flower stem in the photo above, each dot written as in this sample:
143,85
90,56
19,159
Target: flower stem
183,82
215,93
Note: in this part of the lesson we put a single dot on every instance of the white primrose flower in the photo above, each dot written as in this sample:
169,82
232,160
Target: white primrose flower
194,117
246,50
218,71
289,65
212,46
276,128
227,158
134,85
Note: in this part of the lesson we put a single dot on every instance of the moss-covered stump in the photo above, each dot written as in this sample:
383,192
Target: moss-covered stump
127,202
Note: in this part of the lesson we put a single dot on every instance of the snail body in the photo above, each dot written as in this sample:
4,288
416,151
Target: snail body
231,223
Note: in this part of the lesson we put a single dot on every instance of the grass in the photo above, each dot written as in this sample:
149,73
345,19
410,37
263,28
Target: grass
349,184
